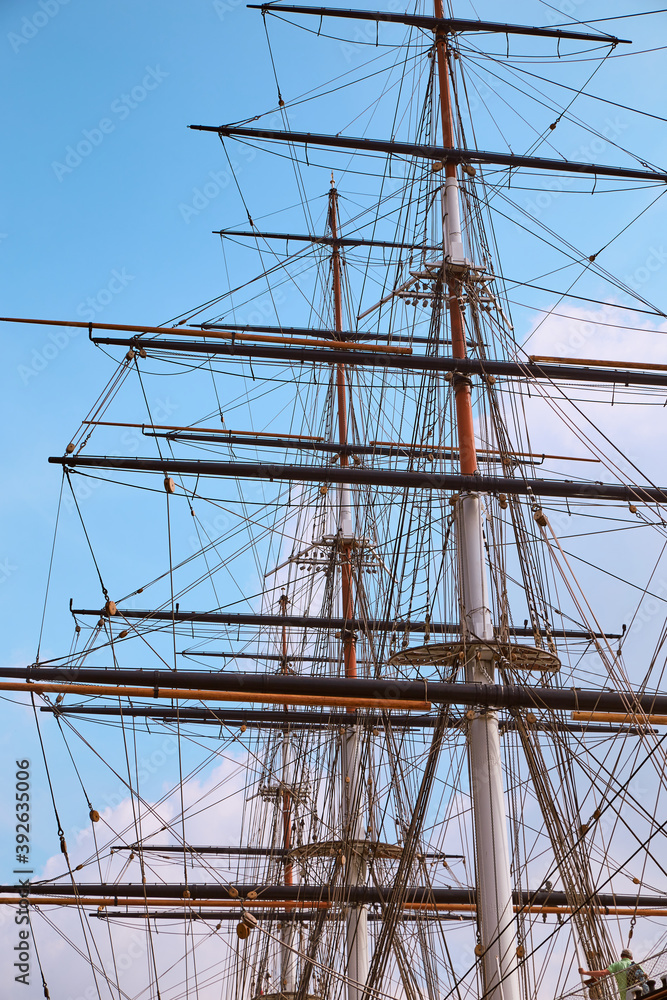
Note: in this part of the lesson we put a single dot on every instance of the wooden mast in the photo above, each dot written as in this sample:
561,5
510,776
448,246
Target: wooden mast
351,775
497,944
345,526
464,418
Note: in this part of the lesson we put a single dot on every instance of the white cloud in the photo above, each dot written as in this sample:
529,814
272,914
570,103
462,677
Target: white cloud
608,333
126,954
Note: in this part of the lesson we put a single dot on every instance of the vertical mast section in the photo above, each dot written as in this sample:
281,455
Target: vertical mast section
287,957
454,262
497,944
345,534
351,776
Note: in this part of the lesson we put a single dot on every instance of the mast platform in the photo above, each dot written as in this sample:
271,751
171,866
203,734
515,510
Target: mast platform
503,654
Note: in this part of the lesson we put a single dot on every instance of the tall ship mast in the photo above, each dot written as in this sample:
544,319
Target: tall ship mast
404,740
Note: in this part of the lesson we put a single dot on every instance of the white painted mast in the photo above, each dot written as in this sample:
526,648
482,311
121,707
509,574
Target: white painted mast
357,915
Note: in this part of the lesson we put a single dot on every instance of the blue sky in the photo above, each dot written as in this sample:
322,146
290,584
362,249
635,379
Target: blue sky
125,233
121,229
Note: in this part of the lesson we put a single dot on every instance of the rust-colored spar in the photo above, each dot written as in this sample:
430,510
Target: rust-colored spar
203,430
186,331
621,718
266,338
183,694
438,449
102,901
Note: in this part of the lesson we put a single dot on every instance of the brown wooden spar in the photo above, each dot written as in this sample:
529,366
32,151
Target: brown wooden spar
385,692
215,334
622,719
223,893
295,442
203,694
209,430
446,450
103,901
261,338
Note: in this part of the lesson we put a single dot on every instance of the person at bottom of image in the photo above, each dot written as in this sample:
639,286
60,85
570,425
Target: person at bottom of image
628,974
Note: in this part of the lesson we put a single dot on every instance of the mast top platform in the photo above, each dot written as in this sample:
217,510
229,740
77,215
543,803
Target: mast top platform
505,654
333,848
